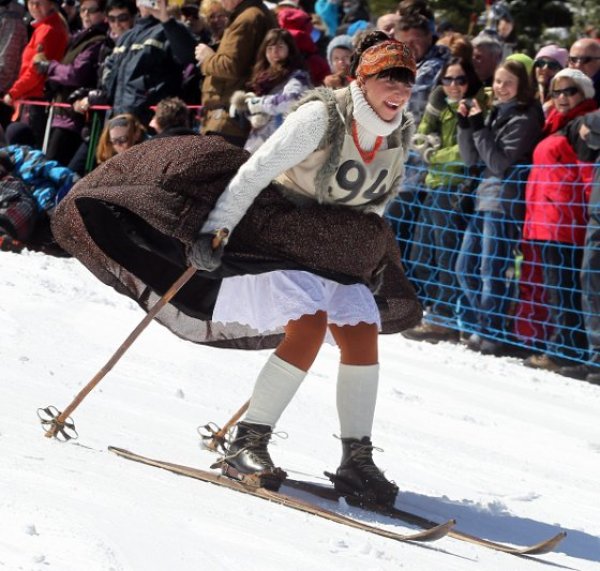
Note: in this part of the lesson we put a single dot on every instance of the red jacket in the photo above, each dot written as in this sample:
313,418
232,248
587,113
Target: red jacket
558,186
50,36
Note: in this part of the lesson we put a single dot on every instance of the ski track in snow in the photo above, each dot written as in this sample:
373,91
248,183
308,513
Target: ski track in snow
513,454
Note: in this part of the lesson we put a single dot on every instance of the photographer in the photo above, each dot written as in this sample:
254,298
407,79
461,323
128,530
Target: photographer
443,217
500,141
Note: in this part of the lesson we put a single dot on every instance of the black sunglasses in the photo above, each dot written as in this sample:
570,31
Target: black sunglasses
459,80
119,18
549,63
583,60
568,91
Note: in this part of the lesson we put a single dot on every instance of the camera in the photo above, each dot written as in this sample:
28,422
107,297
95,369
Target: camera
468,103
152,4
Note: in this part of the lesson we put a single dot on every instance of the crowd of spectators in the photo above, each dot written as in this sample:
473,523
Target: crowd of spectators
83,80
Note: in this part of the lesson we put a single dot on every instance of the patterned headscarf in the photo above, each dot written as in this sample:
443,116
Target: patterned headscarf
385,55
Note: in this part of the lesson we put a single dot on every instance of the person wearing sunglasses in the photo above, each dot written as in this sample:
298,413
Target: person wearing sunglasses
118,135
556,201
120,15
584,135
442,220
548,61
585,56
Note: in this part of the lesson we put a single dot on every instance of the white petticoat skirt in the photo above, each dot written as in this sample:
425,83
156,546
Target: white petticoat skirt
266,302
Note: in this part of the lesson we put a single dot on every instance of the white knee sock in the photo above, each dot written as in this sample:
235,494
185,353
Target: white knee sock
275,387
356,398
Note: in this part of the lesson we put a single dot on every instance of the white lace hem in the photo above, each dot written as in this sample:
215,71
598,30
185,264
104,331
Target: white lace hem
267,302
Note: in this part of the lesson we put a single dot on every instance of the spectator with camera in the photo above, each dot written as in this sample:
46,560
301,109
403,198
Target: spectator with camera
78,68
447,203
501,140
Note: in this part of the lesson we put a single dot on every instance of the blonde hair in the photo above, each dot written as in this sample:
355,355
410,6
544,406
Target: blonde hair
206,5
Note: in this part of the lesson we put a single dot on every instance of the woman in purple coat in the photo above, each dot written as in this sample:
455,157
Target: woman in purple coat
78,68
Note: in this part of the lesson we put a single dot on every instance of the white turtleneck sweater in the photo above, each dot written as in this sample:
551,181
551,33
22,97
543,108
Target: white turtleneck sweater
294,141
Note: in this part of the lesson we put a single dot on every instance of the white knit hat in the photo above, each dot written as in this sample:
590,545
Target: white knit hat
580,79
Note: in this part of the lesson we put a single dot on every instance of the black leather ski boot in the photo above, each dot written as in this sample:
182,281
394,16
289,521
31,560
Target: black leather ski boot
248,458
358,477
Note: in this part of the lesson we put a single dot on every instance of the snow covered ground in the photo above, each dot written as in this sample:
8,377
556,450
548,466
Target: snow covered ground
512,453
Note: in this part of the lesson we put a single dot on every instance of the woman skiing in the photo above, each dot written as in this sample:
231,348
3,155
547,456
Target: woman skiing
308,256
306,304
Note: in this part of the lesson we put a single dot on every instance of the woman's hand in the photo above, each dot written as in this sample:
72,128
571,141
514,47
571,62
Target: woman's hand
584,131
202,53
469,107
475,108
81,105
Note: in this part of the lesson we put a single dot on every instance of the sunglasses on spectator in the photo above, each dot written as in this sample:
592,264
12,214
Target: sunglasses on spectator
549,63
583,60
567,91
459,80
119,18
120,140
89,10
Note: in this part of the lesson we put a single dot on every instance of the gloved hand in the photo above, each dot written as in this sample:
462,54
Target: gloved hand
39,56
426,145
41,66
254,103
237,103
207,251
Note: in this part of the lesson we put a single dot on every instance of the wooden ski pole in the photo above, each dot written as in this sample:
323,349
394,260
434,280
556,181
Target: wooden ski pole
58,423
218,437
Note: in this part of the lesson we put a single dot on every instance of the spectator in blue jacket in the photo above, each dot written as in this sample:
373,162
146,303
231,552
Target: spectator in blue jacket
49,180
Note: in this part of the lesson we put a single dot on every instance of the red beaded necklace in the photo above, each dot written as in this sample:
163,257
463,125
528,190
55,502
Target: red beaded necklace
366,156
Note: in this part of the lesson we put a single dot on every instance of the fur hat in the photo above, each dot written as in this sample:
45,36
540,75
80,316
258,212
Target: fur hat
555,52
582,81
